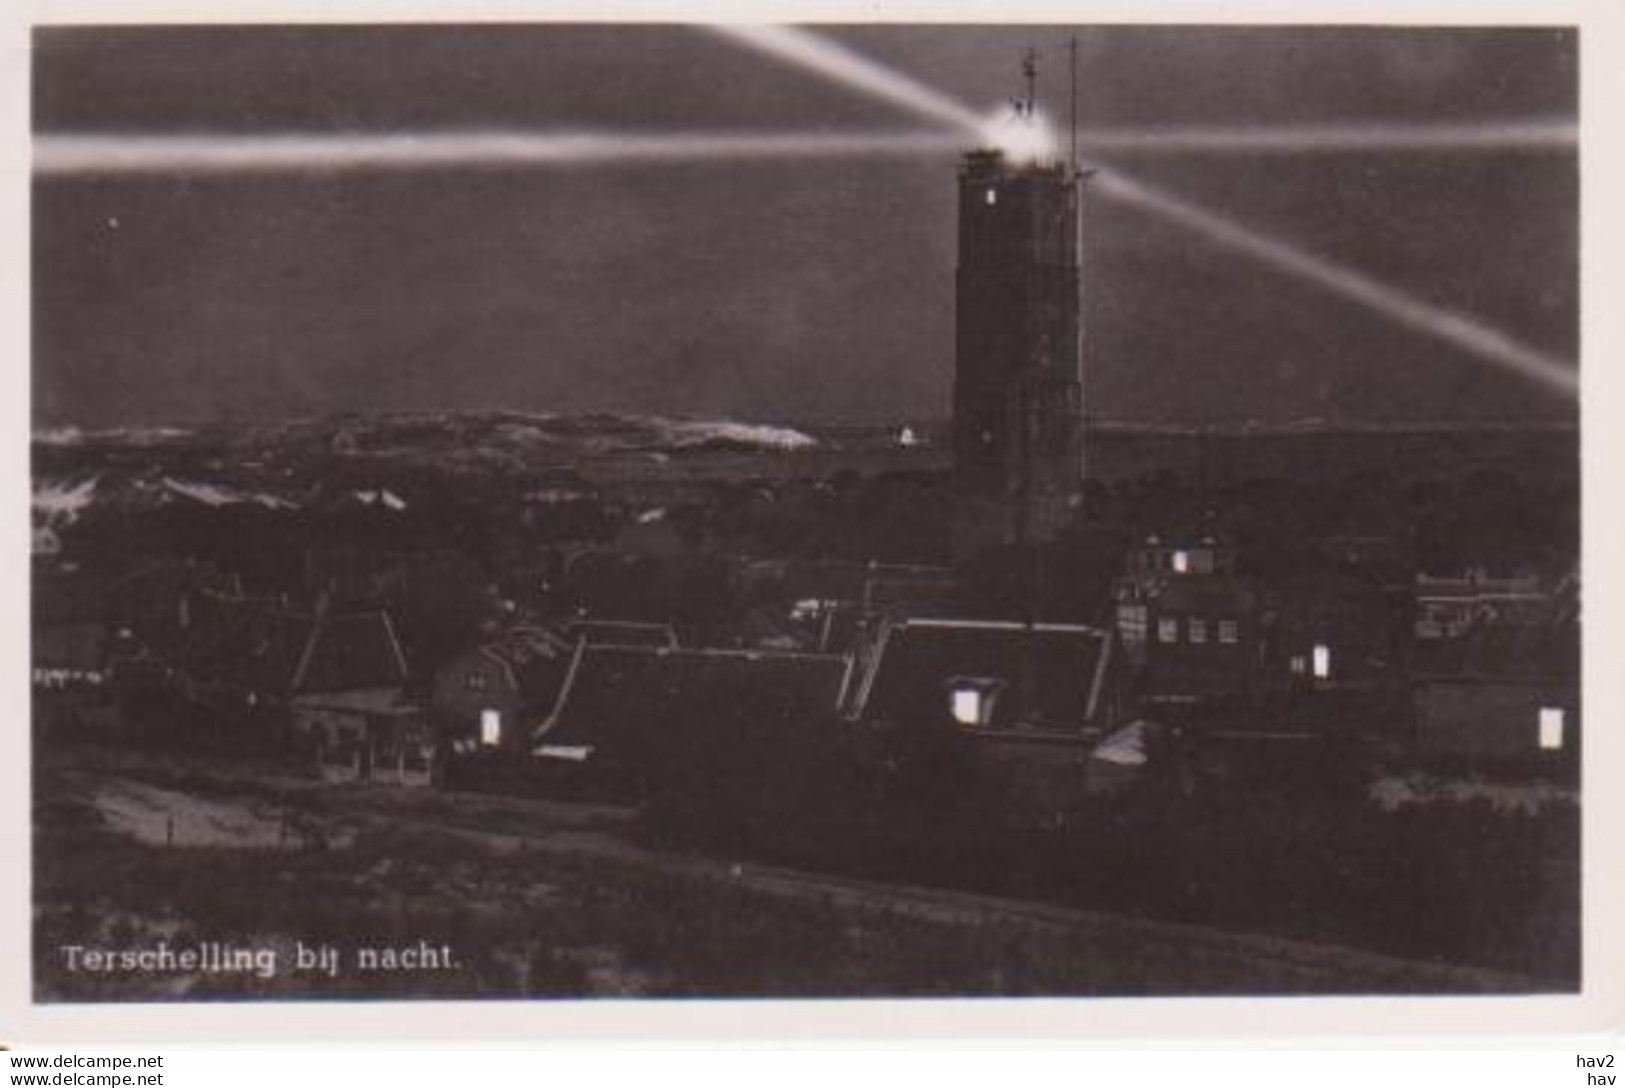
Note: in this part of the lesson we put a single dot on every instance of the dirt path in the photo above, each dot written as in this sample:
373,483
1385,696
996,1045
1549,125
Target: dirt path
160,817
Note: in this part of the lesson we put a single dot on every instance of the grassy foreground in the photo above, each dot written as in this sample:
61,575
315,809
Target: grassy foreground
515,898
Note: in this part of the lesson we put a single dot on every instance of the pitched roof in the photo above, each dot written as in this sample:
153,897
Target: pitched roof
1051,675
911,591
1193,532
1473,589
615,693
264,648
244,644
621,633
534,659
345,653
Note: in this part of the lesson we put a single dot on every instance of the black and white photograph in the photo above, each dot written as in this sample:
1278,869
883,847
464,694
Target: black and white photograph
574,511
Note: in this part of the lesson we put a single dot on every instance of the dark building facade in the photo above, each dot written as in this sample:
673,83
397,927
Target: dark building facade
1018,380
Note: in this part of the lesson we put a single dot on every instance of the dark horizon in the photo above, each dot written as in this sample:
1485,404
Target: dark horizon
45,431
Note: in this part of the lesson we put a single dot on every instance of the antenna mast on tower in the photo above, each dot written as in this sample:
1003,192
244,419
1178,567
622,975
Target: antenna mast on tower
1029,72
1072,57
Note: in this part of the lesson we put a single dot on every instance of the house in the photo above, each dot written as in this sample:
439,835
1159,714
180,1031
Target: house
72,674
493,694
70,628
1449,607
97,637
1332,658
333,684
1028,704
1207,612
347,694
76,651
70,654
1202,551
637,719
1200,640
1149,565
989,676
1294,657
1507,694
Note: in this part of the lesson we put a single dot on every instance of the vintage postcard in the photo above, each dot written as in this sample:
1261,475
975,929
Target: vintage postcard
526,513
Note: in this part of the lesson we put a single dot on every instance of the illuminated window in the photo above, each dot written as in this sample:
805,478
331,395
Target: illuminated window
992,197
1551,728
1298,665
476,681
1167,630
970,700
575,753
1323,661
490,727
1198,629
1182,562
1228,631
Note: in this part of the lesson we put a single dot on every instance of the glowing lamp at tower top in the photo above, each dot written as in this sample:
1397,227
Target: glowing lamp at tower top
1024,139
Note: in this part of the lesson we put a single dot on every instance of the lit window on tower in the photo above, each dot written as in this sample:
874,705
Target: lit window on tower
1323,661
490,727
992,197
1182,562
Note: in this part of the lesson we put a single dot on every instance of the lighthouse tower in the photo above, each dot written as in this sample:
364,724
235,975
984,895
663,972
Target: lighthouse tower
1018,361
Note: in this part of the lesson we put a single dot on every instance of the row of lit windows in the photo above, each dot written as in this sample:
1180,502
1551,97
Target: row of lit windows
1197,629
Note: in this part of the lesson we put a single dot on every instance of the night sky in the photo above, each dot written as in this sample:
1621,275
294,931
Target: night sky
775,291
